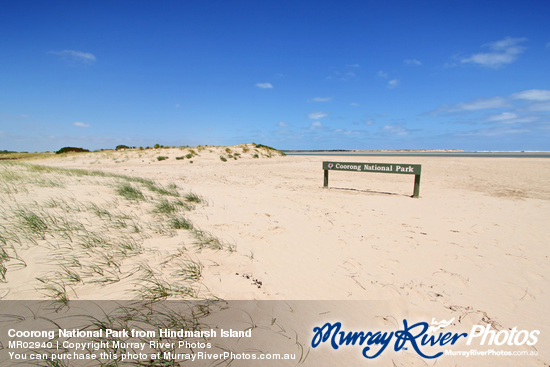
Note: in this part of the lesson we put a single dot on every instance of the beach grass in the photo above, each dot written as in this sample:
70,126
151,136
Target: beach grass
83,242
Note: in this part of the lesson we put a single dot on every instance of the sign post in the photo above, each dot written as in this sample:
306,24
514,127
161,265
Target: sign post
406,169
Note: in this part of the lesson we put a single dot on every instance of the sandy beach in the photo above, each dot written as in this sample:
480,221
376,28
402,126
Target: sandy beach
473,247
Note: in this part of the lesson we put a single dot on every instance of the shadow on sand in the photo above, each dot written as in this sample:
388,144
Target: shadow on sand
369,191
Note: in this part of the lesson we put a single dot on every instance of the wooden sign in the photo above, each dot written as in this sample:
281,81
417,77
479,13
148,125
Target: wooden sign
406,169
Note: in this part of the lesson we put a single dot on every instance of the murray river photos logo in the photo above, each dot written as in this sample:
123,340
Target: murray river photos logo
420,337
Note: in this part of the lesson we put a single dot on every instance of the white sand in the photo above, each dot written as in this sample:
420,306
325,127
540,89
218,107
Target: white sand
473,247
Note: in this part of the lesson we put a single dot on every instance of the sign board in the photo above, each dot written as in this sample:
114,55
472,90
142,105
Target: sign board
406,169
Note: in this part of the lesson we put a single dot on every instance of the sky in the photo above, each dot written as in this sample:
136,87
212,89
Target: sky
368,74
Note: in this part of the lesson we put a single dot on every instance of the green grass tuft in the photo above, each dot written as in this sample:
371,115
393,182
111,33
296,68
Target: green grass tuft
180,223
193,198
130,192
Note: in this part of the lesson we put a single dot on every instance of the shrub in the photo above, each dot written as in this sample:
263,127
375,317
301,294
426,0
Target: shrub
189,156
180,158
256,156
157,146
122,146
71,149
161,157
223,159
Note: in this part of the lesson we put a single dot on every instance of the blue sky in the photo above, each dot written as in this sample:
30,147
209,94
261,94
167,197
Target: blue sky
290,74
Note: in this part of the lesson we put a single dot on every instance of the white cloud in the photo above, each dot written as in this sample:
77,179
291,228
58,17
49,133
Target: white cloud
412,62
282,124
548,45
348,132
354,104
503,116
482,104
382,74
317,115
544,106
393,83
320,99
74,56
496,131
478,104
511,118
501,53
342,76
533,95
315,125
264,85
395,129
80,124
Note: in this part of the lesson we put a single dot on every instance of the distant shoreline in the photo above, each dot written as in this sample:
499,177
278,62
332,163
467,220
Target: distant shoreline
421,153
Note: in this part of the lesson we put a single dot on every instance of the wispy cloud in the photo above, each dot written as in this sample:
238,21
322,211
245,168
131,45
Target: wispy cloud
393,83
345,75
317,115
540,107
315,125
320,99
282,124
342,76
495,131
503,116
75,56
511,118
13,117
482,104
524,112
412,62
264,85
475,105
395,130
81,124
348,132
500,53
533,95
